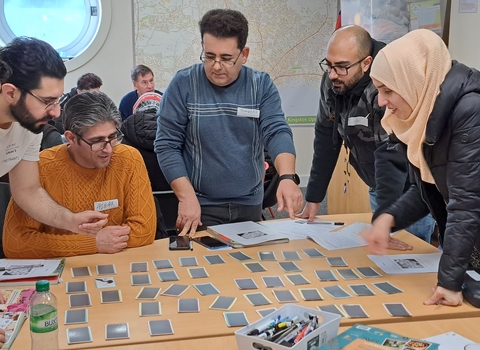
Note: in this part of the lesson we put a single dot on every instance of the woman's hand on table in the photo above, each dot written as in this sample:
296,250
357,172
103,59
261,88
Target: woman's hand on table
445,297
378,235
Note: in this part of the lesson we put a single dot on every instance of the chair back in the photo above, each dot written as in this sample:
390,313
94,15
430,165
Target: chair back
270,192
4,199
168,203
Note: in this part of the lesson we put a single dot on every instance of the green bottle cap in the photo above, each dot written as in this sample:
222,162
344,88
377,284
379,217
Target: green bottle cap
42,286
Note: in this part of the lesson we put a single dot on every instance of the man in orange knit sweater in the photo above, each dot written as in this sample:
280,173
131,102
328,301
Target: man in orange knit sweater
93,172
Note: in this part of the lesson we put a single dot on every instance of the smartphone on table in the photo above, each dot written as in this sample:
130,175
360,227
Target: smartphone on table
180,243
209,242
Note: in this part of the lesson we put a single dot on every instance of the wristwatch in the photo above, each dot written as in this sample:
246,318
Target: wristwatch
293,177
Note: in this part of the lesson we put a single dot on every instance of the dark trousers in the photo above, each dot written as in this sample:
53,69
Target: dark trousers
229,213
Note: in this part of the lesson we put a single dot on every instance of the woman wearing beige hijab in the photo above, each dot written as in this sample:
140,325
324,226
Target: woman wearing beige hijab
433,115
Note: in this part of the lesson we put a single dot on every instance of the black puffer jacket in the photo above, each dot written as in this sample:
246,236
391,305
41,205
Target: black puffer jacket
353,117
140,131
452,151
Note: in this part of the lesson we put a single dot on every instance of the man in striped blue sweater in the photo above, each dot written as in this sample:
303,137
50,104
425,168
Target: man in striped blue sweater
214,122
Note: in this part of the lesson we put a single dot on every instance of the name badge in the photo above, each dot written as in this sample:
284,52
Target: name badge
354,121
105,205
245,112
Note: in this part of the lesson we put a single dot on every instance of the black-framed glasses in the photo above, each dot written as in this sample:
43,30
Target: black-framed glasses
100,145
339,70
224,63
48,105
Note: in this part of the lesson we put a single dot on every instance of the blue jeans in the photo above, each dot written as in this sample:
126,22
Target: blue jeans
423,228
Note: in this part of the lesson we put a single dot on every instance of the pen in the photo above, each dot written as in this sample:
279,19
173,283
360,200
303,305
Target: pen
302,332
336,223
19,267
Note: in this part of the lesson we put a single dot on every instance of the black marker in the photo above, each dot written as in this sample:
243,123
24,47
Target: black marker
336,223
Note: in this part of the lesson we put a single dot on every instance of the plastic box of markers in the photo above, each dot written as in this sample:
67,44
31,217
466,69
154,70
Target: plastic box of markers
326,329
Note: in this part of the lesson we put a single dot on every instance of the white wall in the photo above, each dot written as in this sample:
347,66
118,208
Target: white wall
115,59
464,30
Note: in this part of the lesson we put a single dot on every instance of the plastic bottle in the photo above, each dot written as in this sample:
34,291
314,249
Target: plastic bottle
44,318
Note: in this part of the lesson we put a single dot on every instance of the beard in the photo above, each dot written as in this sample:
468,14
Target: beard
22,115
347,85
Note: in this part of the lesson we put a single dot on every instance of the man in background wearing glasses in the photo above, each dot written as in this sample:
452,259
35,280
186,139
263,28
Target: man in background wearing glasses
31,85
349,114
92,171
214,122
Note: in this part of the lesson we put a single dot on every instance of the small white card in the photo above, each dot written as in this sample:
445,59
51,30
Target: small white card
247,112
105,205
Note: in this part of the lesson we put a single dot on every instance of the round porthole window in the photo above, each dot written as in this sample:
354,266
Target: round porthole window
74,28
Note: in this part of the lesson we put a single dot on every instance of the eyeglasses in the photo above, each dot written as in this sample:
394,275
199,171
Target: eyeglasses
223,63
100,145
48,105
339,70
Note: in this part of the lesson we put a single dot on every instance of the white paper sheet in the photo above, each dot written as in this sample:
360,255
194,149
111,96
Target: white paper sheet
450,341
321,232
407,263
298,229
247,232
14,269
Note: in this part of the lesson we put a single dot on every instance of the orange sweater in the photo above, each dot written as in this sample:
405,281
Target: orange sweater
77,189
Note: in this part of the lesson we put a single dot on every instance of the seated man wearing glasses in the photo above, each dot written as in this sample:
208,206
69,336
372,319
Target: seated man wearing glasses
143,82
92,172
214,121
349,113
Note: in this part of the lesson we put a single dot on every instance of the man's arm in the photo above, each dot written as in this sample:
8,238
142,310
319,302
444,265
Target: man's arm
189,210
289,196
34,200
325,154
26,238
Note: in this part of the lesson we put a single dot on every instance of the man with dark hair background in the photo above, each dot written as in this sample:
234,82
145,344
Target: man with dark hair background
89,82
86,82
29,98
143,82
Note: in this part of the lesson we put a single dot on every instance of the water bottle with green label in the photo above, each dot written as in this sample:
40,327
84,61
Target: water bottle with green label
44,318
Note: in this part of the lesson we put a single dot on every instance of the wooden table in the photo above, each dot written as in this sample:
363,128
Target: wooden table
208,326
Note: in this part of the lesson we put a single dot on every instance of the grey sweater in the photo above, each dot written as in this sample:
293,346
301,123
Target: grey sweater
201,136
